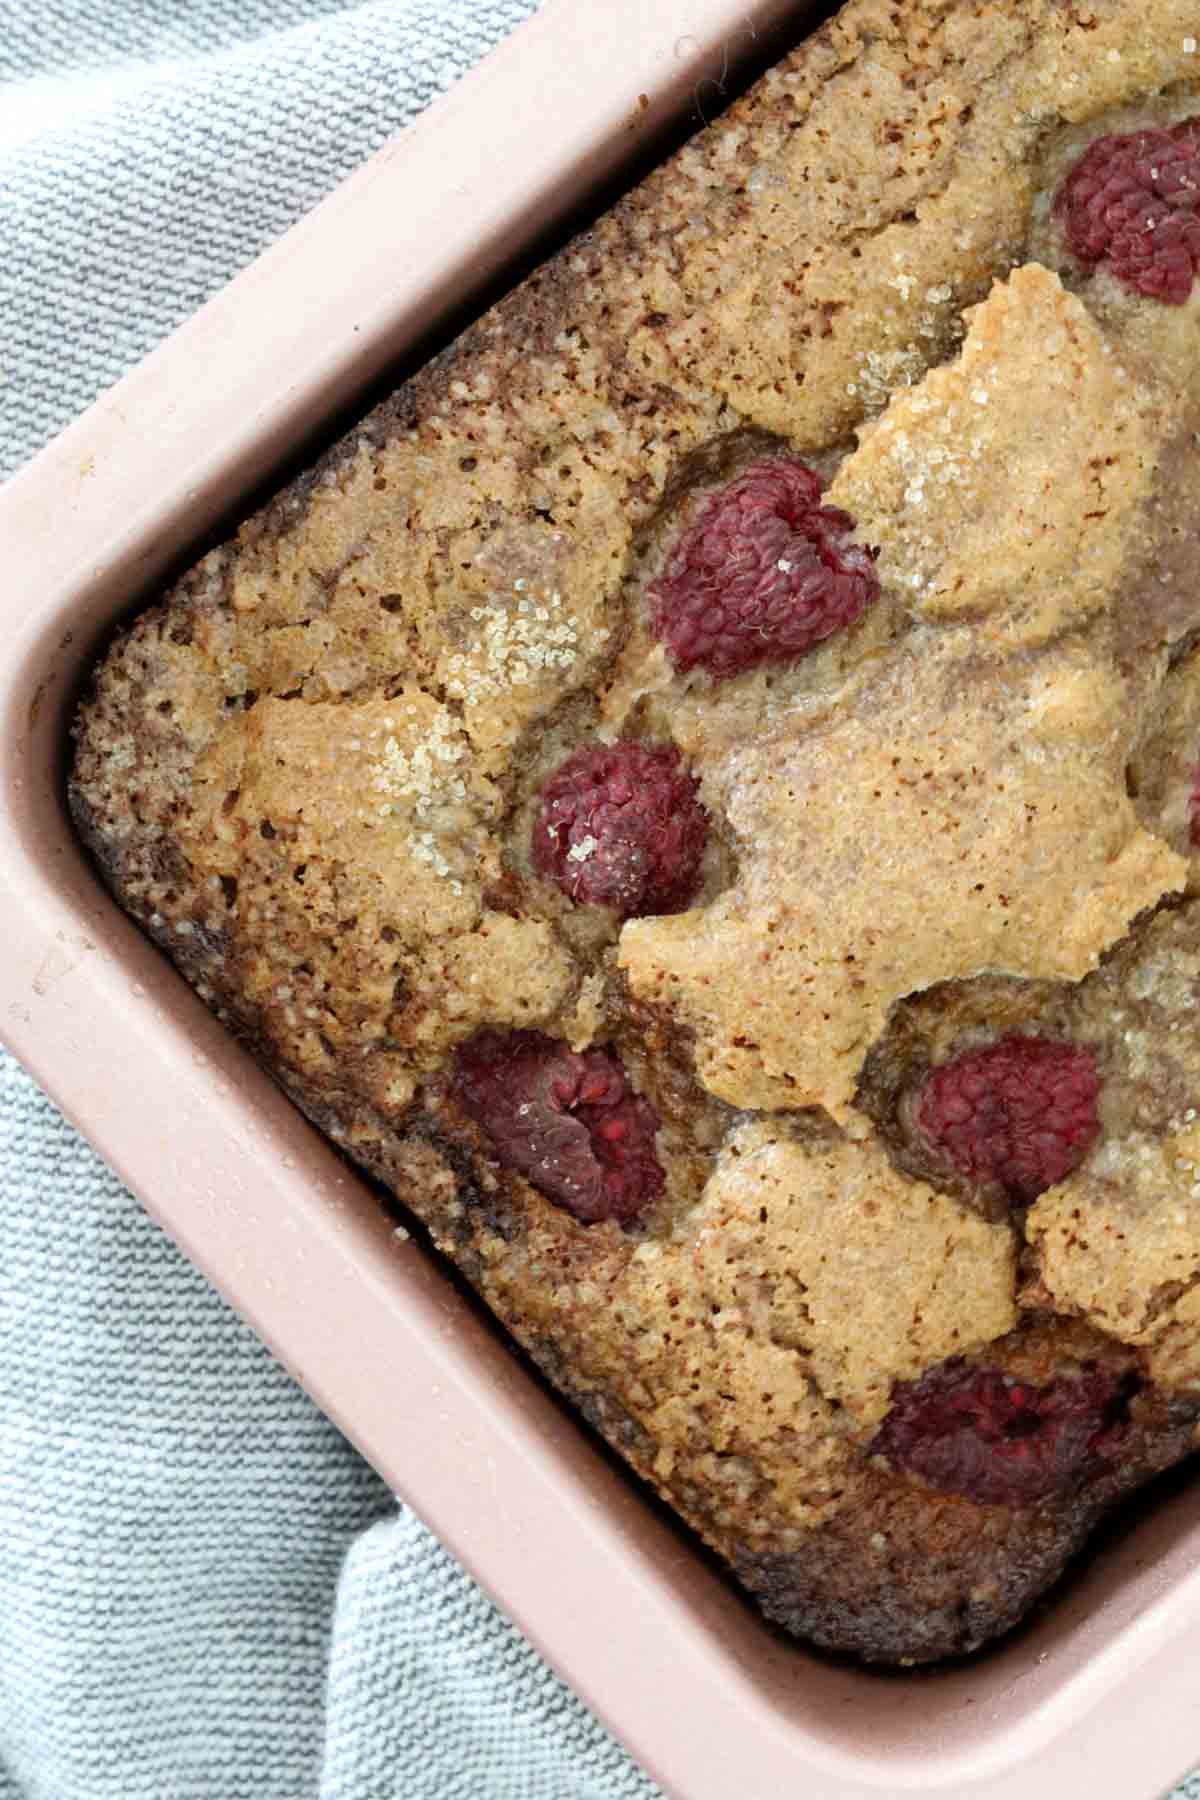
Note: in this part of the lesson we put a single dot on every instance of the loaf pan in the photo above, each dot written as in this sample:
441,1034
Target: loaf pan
624,1604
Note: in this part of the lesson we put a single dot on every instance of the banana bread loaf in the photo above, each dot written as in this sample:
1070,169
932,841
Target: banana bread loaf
698,792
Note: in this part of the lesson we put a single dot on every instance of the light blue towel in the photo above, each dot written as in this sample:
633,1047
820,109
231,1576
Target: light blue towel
204,1593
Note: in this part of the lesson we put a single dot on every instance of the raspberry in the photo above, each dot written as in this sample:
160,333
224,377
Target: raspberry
1131,202
568,1121
1002,1442
762,575
622,827
1020,1113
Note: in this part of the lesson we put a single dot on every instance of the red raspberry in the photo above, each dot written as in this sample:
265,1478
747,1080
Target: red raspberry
1131,201
622,827
1003,1442
568,1121
1020,1113
762,575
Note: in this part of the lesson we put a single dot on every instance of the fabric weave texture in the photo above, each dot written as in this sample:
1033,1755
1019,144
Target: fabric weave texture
204,1593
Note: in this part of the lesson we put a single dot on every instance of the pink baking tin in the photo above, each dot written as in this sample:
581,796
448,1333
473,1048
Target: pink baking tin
1100,1692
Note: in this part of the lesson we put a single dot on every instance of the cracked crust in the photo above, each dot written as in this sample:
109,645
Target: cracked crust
310,771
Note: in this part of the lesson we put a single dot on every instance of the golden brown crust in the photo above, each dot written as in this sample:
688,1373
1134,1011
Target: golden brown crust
310,773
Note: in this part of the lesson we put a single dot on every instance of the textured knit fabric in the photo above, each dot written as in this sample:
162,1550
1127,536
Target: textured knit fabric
204,1593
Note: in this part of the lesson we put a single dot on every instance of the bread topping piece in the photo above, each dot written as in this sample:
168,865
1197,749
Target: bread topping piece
1018,1115
878,855
986,1434
825,1249
1119,1242
621,826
